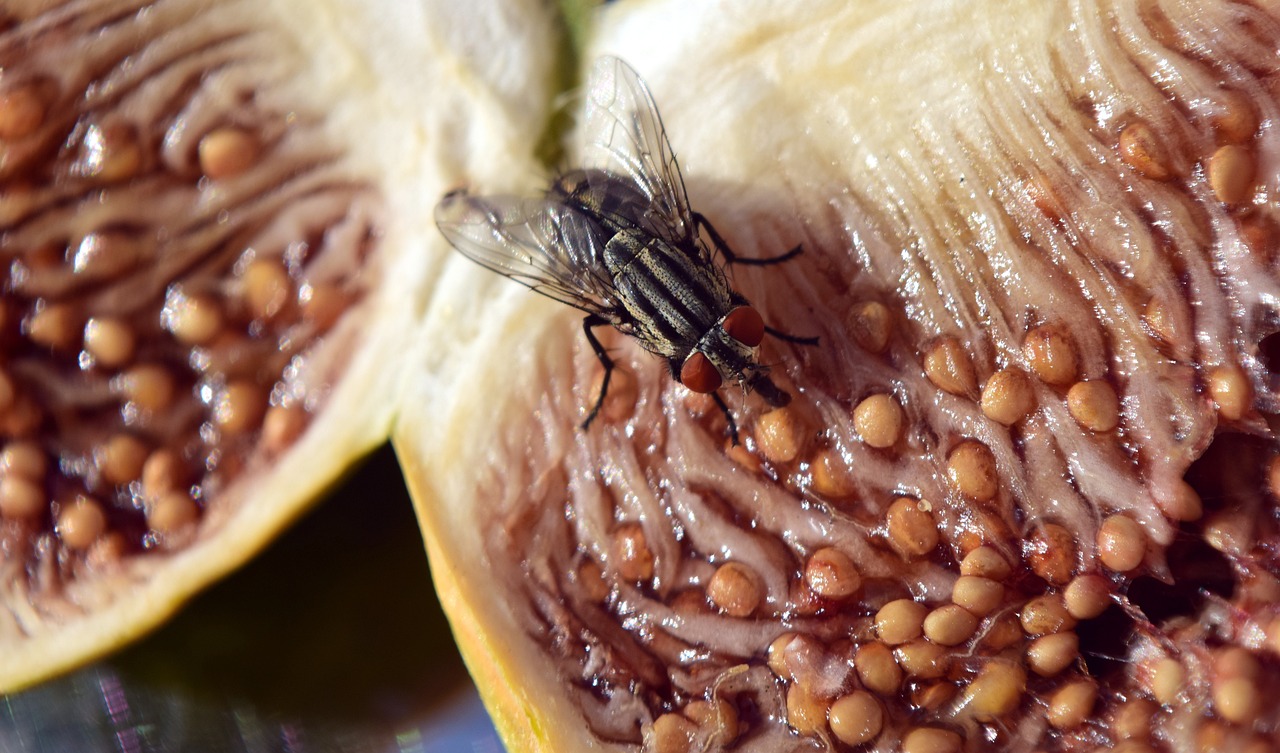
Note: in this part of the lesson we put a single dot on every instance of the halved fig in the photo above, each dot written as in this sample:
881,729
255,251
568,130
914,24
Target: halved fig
214,228
1024,496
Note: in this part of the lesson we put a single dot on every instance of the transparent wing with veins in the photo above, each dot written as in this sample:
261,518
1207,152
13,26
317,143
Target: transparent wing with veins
542,244
624,138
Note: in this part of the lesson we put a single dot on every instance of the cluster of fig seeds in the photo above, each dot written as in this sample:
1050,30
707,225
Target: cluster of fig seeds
1007,639
139,368
1008,643
925,668
1004,634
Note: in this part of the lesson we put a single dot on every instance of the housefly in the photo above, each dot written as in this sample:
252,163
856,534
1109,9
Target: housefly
616,238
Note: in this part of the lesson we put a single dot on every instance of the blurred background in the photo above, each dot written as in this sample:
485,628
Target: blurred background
332,640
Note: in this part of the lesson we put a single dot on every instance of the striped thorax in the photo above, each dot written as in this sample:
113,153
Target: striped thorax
678,309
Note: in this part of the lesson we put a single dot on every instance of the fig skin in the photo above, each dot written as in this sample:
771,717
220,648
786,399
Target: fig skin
525,701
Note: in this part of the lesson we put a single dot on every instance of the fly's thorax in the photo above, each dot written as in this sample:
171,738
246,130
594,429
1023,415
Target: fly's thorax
672,297
623,250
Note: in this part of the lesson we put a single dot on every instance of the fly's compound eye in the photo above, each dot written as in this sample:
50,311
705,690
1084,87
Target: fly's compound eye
745,325
698,374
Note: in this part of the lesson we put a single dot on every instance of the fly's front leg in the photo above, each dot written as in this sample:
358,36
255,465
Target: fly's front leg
791,338
739,300
733,426
595,320
732,258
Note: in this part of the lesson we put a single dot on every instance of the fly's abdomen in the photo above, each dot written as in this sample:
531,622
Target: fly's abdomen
672,300
615,202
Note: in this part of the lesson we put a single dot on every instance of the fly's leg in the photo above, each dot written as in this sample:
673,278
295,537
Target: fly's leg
732,258
738,300
791,338
765,388
594,320
733,426
720,401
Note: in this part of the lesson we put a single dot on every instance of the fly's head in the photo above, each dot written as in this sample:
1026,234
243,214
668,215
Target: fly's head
730,352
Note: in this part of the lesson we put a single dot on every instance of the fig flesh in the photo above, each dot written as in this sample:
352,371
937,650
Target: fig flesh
1040,299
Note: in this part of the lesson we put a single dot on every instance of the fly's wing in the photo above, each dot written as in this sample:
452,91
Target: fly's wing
625,140
544,245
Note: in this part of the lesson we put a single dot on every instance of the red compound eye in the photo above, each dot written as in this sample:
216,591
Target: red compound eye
698,374
745,325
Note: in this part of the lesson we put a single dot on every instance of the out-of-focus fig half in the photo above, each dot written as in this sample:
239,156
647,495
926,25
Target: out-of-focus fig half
215,229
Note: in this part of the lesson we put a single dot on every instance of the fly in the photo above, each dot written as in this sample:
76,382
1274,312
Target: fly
617,239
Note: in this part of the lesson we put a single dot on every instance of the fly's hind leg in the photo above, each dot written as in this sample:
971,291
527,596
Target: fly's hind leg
733,258
595,320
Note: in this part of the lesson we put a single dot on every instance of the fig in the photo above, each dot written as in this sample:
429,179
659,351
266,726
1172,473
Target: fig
212,259
1021,497
1024,494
